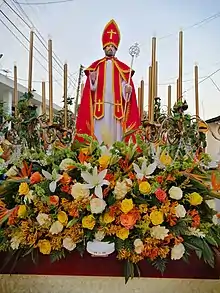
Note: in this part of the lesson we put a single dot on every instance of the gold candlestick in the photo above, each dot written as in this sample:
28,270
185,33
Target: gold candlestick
65,96
141,99
50,71
30,68
196,72
16,90
180,65
153,83
149,92
169,101
177,90
43,97
156,79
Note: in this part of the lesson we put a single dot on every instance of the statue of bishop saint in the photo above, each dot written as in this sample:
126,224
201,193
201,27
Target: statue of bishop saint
108,102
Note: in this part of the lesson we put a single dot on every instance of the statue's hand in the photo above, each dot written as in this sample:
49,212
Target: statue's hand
128,89
93,76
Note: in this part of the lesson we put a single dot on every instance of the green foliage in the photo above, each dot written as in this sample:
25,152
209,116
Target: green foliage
160,264
129,270
201,248
180,228
57,255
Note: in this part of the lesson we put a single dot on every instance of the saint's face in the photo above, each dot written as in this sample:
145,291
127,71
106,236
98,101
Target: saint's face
110,50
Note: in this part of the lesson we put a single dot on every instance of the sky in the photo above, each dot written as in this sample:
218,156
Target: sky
76,28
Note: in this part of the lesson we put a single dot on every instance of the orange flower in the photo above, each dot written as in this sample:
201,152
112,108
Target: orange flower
114,210
66,188
13,216
35,178
83,155
178,240
215,182
195,218
128,220
66,179
131,175
54,200
170,178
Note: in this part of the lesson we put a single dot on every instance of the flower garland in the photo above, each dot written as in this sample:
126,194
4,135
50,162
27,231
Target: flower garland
148,204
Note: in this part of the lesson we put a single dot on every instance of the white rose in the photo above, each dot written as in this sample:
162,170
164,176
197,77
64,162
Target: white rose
180,211
122,188
211,204
159,232
99,235
138,246
69,244
177,251
56,228
175,192
65,164
79,191
15,242
43,219
97,205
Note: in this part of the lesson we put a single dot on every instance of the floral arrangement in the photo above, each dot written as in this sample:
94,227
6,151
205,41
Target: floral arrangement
152,202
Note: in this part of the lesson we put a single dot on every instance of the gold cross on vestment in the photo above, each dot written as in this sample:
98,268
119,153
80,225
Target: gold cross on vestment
111,32
118,105
99,103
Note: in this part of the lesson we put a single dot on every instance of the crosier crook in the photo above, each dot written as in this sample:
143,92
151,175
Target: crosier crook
134,51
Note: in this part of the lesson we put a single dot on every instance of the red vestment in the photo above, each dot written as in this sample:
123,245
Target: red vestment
92,102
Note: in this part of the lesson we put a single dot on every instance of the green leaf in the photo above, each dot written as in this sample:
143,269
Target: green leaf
138,270
72,222
201,248
198,253
57,255
211,240
110,199
160,264
180,228
128,270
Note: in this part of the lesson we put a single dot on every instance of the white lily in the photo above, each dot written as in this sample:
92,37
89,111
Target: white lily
105,150
95,180
144,171
54,178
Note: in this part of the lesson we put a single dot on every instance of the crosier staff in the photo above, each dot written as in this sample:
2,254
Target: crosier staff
134,51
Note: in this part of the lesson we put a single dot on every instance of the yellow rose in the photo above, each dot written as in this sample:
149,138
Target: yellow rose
62,218
144,187
22,211
44,246
127,205
122,233
106,218
165,158
23,188
104,161
195,199
156,217
88,222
